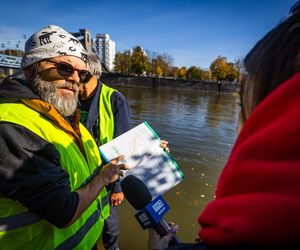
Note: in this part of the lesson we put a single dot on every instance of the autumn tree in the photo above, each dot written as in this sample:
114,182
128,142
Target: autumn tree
151,67
196,73
158,71
139,61
174,72
168,62
219,68
205,75
238,64
232,73
182,73
162,64
127,61
119,63
223,70
193,73
122,62
163,61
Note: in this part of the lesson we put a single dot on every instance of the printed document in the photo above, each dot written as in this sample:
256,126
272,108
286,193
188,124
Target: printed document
146,159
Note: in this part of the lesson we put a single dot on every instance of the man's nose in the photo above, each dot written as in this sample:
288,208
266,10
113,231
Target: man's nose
74,78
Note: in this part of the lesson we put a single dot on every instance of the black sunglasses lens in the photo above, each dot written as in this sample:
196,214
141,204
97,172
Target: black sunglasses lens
65,69
84,76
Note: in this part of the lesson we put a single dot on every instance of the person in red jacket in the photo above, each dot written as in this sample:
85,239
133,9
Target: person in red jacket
257,200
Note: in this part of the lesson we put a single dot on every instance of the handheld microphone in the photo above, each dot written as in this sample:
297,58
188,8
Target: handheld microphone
150,212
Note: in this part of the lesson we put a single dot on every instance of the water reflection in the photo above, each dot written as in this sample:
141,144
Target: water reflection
200,128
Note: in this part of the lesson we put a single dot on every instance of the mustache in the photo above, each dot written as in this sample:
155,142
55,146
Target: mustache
68,85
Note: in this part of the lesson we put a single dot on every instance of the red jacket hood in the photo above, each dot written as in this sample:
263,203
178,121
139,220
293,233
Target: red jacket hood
258,194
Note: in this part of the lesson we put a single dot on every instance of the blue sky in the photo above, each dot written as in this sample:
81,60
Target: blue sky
193,32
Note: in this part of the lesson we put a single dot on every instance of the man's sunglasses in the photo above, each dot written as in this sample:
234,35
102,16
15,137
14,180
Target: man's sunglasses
65,69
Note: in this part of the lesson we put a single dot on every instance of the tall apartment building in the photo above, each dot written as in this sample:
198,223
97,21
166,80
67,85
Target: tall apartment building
106,50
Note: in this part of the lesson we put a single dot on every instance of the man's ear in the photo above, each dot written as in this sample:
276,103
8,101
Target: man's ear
30,71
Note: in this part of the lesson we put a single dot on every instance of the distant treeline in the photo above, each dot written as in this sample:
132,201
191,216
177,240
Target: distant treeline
139,62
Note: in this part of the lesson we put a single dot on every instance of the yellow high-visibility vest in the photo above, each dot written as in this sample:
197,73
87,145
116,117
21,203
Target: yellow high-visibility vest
106,116
20,229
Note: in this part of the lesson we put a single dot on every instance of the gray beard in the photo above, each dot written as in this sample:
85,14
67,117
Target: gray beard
48,91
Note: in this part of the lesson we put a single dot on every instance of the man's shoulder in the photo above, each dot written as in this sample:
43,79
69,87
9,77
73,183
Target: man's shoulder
107,88
15,89
21,135
115,94
118,97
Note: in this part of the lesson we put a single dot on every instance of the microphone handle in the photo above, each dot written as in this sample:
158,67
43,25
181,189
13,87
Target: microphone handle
162,228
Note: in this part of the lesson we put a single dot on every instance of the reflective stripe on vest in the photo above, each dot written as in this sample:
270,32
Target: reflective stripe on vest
78,236
106,116
27,218
39,234
18,220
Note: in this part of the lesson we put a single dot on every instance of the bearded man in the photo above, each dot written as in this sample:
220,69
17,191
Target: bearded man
52,185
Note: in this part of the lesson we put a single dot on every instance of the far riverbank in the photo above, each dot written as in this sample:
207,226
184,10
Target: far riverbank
168,83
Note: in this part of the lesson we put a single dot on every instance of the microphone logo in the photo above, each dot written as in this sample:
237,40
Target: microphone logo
153,213
158,205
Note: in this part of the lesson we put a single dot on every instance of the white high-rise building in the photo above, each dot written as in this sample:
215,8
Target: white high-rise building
106,50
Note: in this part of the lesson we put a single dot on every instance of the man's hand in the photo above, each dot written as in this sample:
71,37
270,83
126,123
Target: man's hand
159,243
88,193
111,171
116,198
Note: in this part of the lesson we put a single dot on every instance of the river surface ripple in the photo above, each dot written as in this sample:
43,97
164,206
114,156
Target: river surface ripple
200,128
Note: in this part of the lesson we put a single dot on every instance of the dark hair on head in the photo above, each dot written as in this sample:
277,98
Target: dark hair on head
295,8
273,60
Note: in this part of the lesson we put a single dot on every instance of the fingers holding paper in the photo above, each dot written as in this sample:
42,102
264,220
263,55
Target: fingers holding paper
164,145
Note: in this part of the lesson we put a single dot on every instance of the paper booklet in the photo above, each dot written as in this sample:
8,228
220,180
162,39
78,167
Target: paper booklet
146,159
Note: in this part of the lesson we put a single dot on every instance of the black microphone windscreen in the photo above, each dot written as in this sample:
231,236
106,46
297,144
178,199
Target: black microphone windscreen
136,192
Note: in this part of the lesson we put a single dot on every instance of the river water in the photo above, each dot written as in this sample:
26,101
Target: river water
200,128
